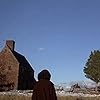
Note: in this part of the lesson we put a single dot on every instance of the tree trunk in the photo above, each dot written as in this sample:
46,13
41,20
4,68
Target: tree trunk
96,88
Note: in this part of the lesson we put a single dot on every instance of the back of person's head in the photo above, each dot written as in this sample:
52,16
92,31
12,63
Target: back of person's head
44,74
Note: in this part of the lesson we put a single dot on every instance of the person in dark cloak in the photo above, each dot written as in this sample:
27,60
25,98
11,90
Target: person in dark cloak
44,88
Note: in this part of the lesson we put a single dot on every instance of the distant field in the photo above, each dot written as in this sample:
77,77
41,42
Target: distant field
23,97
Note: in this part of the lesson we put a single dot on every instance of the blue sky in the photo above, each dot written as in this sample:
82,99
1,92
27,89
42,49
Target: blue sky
54,34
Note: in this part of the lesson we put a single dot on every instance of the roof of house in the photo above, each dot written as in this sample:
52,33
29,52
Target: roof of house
21,59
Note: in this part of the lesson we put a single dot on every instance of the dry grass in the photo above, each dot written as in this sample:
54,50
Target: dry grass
14,97
78,98
23,97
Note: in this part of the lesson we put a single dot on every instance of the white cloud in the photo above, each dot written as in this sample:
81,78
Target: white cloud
41,49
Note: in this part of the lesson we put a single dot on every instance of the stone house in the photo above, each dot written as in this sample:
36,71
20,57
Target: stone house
15,71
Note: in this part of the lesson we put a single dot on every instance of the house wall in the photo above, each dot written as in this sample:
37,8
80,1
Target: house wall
26,77
9,67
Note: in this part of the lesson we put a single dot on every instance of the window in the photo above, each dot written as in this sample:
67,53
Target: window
9,67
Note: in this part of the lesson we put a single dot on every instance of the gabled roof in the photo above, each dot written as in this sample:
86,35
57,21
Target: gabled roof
21,59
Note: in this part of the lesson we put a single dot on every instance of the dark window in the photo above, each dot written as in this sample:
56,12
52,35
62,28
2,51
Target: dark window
9,67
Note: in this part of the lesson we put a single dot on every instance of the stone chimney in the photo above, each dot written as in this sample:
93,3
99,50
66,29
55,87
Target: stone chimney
10,44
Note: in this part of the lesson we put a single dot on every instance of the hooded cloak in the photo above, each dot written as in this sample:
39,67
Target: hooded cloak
44,88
